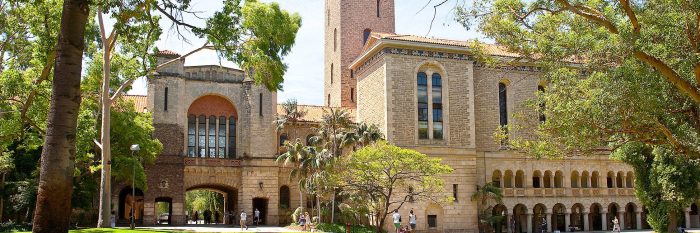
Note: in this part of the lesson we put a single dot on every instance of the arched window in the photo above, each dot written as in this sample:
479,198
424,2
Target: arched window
629,180
422,105
502,104
283,138
329,100
191,138
335,39
574,179
437,106
519,177
540,89
536,180
221,152
212,137
377,8
558,179
202,134
231,137
365,35
284,197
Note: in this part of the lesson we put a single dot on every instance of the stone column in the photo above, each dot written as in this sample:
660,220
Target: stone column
614,181
604,220
622,219
624,184
585,220
529,221
687,217
549,221
567,220
639,219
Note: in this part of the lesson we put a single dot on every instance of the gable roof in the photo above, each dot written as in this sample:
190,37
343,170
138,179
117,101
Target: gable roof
490,49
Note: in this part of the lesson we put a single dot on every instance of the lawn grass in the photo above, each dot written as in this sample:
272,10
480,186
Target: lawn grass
116,230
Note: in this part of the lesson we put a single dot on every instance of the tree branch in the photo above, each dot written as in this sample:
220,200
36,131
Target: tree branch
590,14
630,13
670,75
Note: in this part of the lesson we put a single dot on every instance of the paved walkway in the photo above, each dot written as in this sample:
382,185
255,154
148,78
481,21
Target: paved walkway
220,228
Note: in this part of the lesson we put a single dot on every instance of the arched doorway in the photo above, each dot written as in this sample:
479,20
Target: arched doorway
260,204
559,217
164,210
694,221
211,204
130,204
630,216
594,218
612,213
577,216
520,216
539,218
499,214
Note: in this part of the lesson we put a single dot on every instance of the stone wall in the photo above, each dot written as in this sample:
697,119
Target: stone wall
371,99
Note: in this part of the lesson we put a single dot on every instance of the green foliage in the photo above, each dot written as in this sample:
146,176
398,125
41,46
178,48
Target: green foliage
200,200
337,227
385,177
666,182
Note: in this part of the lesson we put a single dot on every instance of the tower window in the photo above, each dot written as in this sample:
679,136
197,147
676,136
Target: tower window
335,39
454,191
543,118
331,73
432,221
365,35
502,104
352,95
377,8
329,100
165,104
260,108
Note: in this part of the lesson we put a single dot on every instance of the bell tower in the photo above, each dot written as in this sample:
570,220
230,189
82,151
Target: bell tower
348,24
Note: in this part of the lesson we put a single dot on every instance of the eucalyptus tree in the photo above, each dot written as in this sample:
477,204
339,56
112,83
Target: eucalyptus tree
618,74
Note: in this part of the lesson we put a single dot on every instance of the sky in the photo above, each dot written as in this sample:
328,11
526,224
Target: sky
304,77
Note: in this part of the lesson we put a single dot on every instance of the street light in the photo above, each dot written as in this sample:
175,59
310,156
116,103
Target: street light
134,149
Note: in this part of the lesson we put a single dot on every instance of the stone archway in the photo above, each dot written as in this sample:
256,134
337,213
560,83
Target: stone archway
559,217
129,204
520,216
499,226
631,216
229,209
595,217
164,210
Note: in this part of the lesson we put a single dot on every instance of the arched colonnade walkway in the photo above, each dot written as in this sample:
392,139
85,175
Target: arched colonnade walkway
577,217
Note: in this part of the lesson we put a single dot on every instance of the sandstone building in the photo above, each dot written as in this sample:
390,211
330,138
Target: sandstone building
426,94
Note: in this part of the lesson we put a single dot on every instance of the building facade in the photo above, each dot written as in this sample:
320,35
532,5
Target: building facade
427,94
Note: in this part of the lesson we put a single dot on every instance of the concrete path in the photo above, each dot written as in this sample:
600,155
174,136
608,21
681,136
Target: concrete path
220,228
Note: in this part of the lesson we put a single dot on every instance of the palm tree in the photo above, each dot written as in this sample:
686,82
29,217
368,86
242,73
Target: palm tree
291,117
485,196
364,134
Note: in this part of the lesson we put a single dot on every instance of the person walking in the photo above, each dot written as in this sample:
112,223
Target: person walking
195,217
216,217
244,217
207,217
302,221
616,225
397,220
512,225
544,225
412,220
257,217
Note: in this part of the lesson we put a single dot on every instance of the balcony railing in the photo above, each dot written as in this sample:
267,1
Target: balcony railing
566,192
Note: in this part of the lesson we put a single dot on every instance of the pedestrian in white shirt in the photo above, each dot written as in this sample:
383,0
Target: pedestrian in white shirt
412,220
244,217
397,220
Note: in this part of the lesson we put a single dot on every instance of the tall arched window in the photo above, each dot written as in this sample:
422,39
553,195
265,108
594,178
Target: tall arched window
437,106
212,136
352,95
191,135
365,35
221,152
540,89
335,39
422,105
284,197
231,137
329,100
502,104
202,134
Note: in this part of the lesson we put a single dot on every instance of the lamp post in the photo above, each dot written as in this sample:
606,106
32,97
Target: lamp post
134,149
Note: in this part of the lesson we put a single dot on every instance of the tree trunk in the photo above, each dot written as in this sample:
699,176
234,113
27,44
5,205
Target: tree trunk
2,196
53,204
104,220
318,207
333,207
672,222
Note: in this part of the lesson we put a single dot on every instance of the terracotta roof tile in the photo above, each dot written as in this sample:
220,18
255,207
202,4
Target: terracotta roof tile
490,49
168,53
140,101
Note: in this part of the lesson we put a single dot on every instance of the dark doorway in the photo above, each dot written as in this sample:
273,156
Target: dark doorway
127,203
164,210
261,205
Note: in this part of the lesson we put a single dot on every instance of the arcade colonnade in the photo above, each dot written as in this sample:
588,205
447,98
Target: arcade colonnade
596,217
